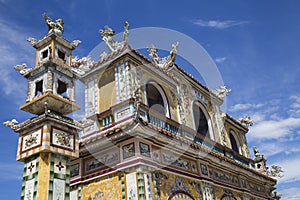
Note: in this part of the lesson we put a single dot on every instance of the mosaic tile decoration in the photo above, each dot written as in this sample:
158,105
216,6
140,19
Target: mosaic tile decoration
59,179
128,150
62,139
31,167
60,166
144,149
29,189
32,140
74,195
59,189
30,176
148,186
131,187
74,170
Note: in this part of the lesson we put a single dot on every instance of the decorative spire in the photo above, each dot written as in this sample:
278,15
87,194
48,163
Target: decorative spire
166,62
56,27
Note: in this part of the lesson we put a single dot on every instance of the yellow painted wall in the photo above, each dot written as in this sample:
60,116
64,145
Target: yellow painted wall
107,90
43,176
111,188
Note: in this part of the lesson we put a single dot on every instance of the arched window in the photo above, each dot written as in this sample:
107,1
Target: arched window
235,145
201,120
156,98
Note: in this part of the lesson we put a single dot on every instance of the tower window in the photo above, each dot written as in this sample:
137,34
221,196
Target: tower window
38,87
61,54
45,54
62,88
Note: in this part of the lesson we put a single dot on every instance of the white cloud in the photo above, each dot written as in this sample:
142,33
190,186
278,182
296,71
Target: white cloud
247,106
291,170
219,24
14,50
220,59
274,129
290,193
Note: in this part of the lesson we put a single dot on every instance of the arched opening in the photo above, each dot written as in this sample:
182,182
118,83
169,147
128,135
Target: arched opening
228,198
201,120
156,98
235,145
180,195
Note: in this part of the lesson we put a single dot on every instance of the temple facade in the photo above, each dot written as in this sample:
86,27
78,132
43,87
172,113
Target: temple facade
151,131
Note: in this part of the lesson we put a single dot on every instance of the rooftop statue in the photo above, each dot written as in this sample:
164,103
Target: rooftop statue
56,27
12,124
108,37
256,152
222,92
275,171
165,62
246,120
23,69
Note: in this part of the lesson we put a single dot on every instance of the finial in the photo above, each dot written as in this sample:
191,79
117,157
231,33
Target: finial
56,27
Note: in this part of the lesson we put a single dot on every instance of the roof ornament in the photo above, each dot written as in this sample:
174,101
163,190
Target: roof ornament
246,120
222,92
275,171
23,69
56,27
81,65
166,62
31,40
76,43
12,124
108,37
256,152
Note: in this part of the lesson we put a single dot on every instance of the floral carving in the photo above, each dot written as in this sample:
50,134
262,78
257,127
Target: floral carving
63,139
31,141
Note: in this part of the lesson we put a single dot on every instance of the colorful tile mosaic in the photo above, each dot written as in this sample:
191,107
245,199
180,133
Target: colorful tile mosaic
62,139
32,140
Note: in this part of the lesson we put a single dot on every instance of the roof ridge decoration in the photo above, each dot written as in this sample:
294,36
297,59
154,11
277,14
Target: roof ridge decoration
222,92
246,121
56,27
108,37
166,62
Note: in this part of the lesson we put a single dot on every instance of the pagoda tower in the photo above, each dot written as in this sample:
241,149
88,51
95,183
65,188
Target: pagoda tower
48,141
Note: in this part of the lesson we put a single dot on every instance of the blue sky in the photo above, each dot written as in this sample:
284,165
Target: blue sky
255,45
